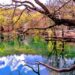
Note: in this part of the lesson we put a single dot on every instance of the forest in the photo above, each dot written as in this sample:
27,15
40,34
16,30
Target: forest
37,38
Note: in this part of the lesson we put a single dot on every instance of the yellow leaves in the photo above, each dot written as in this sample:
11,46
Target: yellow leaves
36,15
1,19
24,18
68,16
15,19
6,15
1,13
10,12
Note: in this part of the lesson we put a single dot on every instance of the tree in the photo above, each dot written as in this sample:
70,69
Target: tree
57,20
44,10
53,14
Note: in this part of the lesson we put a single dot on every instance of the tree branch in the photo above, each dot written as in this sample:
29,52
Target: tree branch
56,69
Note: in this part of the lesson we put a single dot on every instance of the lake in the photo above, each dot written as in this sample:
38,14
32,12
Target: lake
14,64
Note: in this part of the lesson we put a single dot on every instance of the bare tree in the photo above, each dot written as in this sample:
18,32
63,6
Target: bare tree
44,10
59,4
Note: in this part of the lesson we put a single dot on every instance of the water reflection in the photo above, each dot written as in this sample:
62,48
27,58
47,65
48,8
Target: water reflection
60,62
14,65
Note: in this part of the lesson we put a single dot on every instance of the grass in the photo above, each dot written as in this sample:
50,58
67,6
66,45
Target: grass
14,47
35,46
69,51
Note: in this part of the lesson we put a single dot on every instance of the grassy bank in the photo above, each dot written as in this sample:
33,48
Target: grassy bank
15,47
69,51
35,46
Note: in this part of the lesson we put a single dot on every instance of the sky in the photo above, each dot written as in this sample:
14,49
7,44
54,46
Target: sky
5,2
9,1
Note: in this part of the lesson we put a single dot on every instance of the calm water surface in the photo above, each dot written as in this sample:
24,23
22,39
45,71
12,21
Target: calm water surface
14,65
